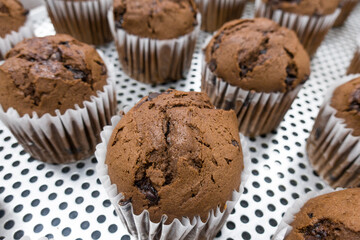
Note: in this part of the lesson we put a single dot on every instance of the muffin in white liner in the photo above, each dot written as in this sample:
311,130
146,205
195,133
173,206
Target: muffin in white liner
239,73
346,8
332,147
141,227
284,227
215,13
65,137
152,60
12,38
354,66
84,20
311,29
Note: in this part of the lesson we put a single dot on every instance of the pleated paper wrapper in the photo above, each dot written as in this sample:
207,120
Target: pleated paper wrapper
140,226
214,13
65,137
311,30
284,227
332,149
84,20
11,39
257,113
346,8
154,61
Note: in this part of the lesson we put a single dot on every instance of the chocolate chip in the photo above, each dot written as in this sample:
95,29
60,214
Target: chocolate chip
355,100
56,56
235,143
119,16
66,43
291,71
212,65
153,95
148,190
243,70
310,215
3,8
77,73
263,51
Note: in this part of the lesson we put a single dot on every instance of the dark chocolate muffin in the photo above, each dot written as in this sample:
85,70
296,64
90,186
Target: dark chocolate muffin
346,101
305,7
259,55
332,216
65,72
169,153
165,19
12,16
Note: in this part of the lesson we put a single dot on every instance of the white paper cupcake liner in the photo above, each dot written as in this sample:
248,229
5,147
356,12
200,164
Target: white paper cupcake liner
11,39
311,30
257,113
332,149
284,227
151,60
214,13
84,20
354,66
346,8
65,137
140,227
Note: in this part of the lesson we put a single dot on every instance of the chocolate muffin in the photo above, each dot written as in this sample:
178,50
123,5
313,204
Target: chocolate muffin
168,155
334,216
155,39
240,67
334,144
56,97
13,16
85,20
310,19
63,74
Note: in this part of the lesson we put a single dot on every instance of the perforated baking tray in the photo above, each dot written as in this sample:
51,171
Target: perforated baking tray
67,201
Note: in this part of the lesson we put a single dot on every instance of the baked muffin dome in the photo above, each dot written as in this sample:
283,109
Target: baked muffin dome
257,54
346,101
164,19
332,216
306,7
49,73
12,16
169,153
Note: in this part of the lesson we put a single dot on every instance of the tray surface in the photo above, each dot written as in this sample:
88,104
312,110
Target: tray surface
68,202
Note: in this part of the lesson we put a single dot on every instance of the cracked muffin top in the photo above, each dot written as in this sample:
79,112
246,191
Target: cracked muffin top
156,19
169,153
346,100
259,55
49,73
12,16
305,7
332,216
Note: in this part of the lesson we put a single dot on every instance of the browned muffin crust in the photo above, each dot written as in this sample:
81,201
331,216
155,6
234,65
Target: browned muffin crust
156,19
257,54
333,216
12,16
346,100
169,153
49,73
305,7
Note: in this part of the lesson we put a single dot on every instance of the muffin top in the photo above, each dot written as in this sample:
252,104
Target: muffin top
334,215
49,73
156,19
305,7
169,153
12,16
257,54
346,100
